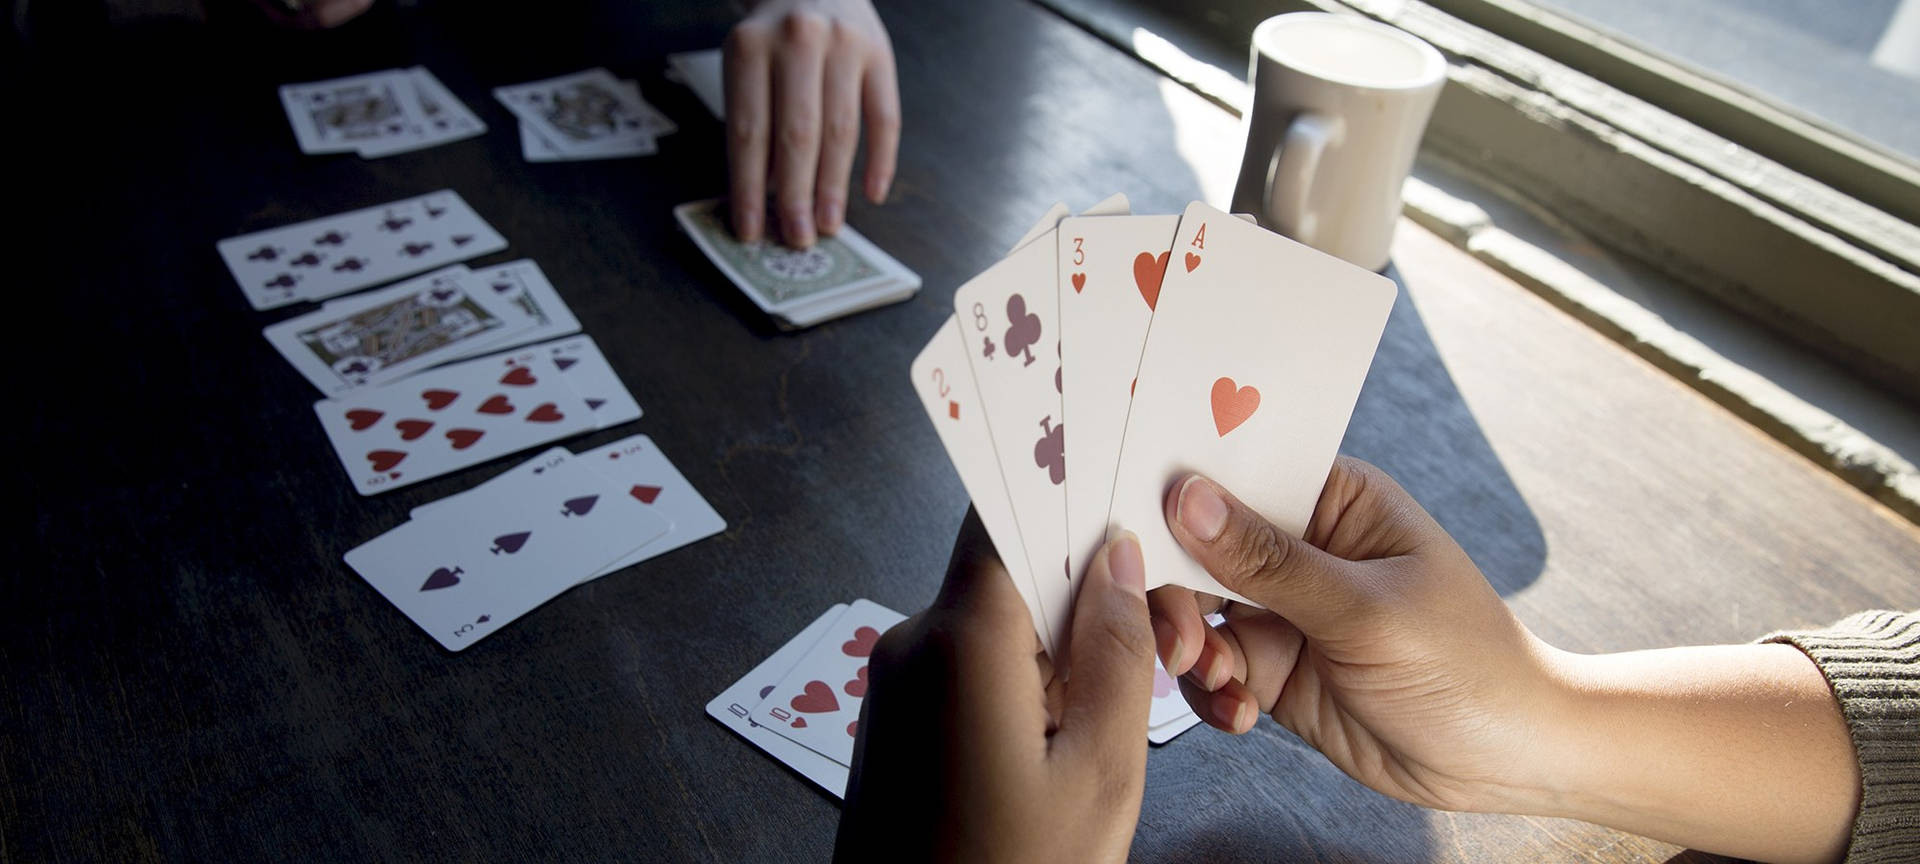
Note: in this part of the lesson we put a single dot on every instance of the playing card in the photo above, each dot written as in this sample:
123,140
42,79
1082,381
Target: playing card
1169,715
944,380
353,113
778,279
1110,269
529,295
443,117
646,473
700,71
332,255
1047,223
585,112
464,571
1008,316
586,370
449,418
734,708
817,704
1256,354
386,334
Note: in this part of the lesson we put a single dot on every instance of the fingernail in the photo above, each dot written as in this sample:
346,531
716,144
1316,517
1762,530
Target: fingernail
1123,562
1216,670
1228,707
1202,510
1168,638
877,190
830,214
749,226
799,227
1243,717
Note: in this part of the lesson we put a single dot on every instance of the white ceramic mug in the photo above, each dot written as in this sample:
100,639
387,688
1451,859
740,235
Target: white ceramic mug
1339,104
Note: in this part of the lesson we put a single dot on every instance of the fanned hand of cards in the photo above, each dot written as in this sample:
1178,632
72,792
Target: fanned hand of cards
585,115
1191,343
445,419
377,114
798,288
468,564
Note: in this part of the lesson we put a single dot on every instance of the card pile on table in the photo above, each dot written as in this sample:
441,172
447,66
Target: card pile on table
802,705
466,565
377,114
1190,343
798,288
585,115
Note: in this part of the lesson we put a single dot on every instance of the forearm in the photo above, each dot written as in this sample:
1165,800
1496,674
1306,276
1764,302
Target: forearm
1739,750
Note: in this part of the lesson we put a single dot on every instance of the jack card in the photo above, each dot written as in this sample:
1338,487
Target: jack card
387,334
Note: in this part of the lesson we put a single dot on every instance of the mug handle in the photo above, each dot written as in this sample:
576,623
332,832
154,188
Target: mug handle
1291,169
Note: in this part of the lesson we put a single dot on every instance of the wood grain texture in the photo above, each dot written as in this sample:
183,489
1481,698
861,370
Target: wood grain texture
194,675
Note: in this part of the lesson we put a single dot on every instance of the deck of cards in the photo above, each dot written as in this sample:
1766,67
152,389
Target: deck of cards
1166,345
585,115
466,565
798,288
377,114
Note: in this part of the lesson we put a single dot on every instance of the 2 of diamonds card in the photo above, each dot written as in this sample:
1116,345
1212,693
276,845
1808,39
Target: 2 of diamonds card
323,257
465,570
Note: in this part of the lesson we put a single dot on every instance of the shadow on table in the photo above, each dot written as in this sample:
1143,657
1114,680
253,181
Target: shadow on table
1412,421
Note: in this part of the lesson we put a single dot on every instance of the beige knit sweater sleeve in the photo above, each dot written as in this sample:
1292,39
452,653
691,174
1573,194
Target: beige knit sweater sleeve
1872,661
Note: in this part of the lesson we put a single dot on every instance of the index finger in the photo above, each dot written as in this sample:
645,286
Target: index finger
748,80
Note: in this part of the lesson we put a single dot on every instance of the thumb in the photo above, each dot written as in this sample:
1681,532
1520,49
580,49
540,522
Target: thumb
1110,684
1316,591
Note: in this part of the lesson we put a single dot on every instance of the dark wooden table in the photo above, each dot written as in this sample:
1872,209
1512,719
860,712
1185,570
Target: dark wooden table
193,674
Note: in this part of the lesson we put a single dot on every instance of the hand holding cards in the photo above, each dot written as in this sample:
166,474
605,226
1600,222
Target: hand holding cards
1167,346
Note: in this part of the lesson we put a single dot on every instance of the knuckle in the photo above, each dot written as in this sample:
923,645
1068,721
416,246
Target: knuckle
798,135
840,129
884,122
805,29
746,38
1259,552
745,130
1117,638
